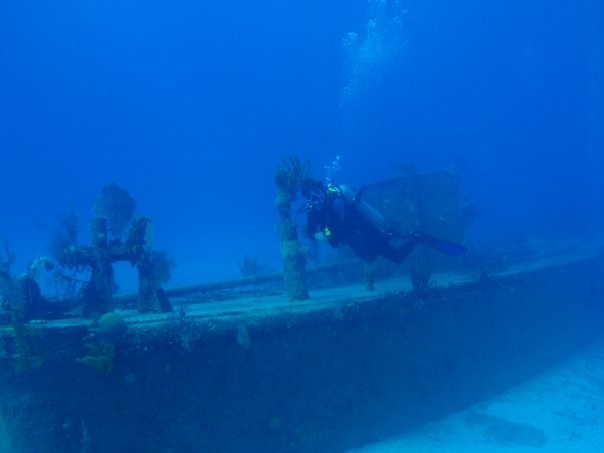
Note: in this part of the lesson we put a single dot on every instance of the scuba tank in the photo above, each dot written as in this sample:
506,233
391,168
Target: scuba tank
365,209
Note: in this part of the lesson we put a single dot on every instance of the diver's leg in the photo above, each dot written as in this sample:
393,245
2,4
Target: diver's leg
398,255
365,252
364,247
404,250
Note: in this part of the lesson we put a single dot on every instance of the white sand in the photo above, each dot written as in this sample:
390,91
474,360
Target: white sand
561,410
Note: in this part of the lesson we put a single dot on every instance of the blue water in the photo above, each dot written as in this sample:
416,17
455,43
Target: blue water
191,105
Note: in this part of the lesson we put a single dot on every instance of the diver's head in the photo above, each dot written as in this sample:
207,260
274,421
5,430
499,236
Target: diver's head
313,190
311,187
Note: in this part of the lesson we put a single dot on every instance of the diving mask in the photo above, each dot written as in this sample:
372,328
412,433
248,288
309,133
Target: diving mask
314,201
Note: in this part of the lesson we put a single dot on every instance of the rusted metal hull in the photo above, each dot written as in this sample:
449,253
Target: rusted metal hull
261,374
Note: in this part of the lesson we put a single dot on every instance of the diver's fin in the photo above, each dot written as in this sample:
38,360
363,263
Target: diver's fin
449,248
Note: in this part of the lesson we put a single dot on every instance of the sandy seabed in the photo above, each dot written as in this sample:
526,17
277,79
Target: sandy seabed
560,410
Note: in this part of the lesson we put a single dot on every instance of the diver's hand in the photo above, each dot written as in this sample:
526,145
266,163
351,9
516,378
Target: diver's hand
320,236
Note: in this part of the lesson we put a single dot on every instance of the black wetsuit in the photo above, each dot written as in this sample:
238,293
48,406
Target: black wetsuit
343,221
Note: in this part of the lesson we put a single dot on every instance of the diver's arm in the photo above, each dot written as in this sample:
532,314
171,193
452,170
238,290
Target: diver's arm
312,225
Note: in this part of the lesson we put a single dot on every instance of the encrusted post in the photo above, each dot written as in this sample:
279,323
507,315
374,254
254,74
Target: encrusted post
148,302
139,246
98,291
288,178
30,297
114,216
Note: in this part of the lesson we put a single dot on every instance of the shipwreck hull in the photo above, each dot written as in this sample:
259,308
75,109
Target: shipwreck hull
265,375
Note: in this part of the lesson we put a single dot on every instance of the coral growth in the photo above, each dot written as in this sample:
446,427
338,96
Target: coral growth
64,238
248,266
162,266
7,257
421,272
111,325
289,176
288,179
294,266
100,357
30,345
117,205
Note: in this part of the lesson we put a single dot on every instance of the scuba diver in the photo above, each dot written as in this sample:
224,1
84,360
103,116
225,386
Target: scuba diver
337,215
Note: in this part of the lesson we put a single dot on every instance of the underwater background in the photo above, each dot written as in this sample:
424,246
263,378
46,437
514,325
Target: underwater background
191,105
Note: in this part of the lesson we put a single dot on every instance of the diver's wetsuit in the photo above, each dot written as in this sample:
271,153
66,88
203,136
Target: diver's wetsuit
343,221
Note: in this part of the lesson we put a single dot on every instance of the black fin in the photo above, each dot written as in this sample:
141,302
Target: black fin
449,248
